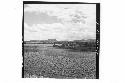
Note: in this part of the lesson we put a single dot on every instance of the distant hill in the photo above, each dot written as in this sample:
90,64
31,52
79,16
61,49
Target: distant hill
41,41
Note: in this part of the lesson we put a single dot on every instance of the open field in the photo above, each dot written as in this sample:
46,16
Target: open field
44,60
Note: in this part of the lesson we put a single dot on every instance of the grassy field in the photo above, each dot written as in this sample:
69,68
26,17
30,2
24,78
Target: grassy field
45,61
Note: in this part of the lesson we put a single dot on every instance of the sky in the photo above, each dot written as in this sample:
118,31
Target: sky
59,21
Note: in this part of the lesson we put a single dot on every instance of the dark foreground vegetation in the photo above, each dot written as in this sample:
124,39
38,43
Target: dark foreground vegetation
46,61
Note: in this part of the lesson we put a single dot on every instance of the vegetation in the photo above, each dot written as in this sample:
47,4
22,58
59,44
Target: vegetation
86,45
43,60
81,45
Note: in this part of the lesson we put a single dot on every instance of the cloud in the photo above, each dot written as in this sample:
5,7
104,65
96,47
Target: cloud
66,13
56,31
77,22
